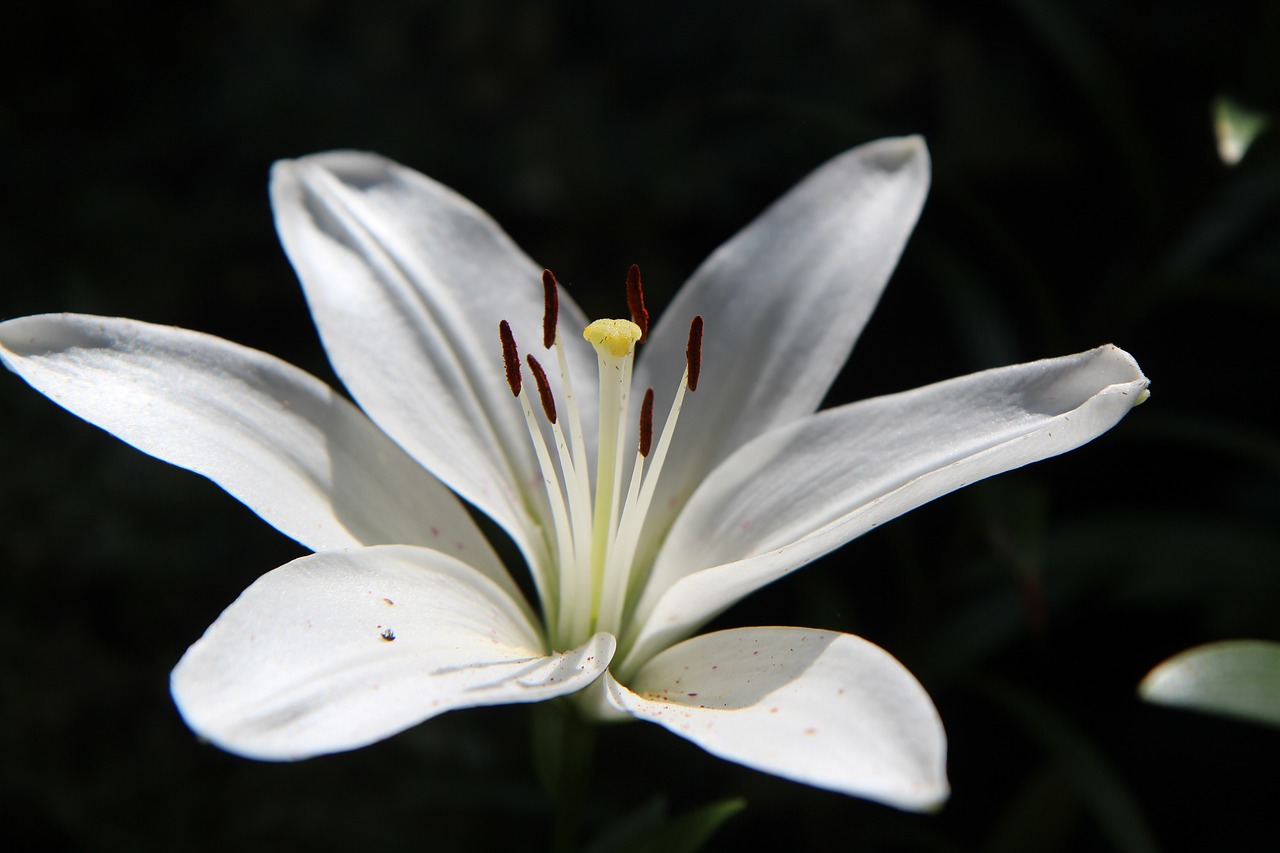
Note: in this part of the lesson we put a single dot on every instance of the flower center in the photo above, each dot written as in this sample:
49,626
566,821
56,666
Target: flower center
595,532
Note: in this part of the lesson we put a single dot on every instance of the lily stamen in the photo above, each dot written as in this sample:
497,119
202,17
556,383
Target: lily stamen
635,302
550,309
510,357
646,423
547,583
544,390
693,353
579,496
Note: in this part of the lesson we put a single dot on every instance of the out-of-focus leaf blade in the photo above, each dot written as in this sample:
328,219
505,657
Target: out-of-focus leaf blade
650,829
1039,818
1095,781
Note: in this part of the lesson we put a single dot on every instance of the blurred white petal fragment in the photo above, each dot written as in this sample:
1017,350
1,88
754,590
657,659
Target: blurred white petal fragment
1232,678
1236,127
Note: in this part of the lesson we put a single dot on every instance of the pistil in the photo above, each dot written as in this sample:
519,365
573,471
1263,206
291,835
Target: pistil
623,553
615,342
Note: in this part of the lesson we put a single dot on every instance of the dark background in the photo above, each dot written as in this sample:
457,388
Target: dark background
1077,200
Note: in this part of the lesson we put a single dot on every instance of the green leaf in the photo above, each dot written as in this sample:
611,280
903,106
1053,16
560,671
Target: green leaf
1096,783
1040,817
650,829
688,832
1234,678
641,823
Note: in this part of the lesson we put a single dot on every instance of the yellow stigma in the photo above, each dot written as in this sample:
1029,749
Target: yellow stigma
617,337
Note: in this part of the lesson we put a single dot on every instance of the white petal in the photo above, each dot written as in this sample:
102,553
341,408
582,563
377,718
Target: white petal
340,649
407,282
784,301
807,488
275,437
1235,678
830,710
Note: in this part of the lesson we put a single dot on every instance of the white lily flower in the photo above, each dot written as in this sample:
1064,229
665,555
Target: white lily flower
405,612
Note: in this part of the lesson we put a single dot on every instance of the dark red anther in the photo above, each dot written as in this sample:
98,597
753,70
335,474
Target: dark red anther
693,352
544,390
550,308
646,423
635,301
510,357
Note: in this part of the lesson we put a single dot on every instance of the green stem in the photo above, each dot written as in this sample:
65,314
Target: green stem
564,752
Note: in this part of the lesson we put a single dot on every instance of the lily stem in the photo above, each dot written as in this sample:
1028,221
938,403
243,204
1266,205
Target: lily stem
564,747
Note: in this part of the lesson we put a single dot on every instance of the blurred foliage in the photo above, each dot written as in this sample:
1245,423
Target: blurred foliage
1078,198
